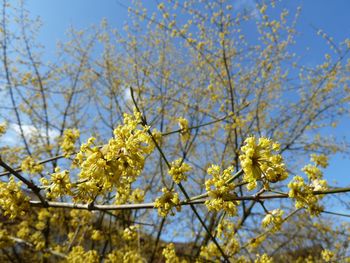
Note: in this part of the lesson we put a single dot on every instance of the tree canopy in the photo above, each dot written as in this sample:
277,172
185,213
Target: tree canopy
193,135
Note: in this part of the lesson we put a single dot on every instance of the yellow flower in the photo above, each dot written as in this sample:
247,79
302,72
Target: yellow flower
274,218
259,162
167,201
264,258
3,128
170,254
220,193
70,136
12,200
96,235
117,165
30,166
303,194
79,255
59,183
185,131
130,233
320,160
178,171
327,255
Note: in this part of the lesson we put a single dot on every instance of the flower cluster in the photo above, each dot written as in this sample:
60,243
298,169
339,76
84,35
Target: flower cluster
320,160
3,128
96,235
170,254
209,253
312,170
327,255
117,164
259,162
185,131
167,201
226,231
130,233
303,192
12,200
137,196
264,258
273,218
78,254
125,256
178,171
70,136
59,183
219,191
30,166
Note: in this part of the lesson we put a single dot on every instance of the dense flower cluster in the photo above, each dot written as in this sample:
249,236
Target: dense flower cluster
170,254
303,192
328,255
117,164
70,136
167,201
130,233
96,235
320,160
264,258
178,171
208,253
259,162
312,170
79,255
3,128
273,218
30,166
59,183
12,200
226,232
124,256
185,131
219,192
137,196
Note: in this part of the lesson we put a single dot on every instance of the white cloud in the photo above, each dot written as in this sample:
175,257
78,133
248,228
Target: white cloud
248,6
13,134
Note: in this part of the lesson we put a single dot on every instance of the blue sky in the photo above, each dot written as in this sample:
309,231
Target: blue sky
58,16
331,16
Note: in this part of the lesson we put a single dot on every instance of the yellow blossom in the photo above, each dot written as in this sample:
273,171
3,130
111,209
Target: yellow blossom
170,254
178,171
3,128
327,255
130,233
260,163
167,201
303,194
264,258
79,255
30,166
116,165
320,160
70,136
219,192
12,200
273,218
185,131
59,183
96,235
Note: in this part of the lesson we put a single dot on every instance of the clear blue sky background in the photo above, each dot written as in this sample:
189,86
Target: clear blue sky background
331,16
